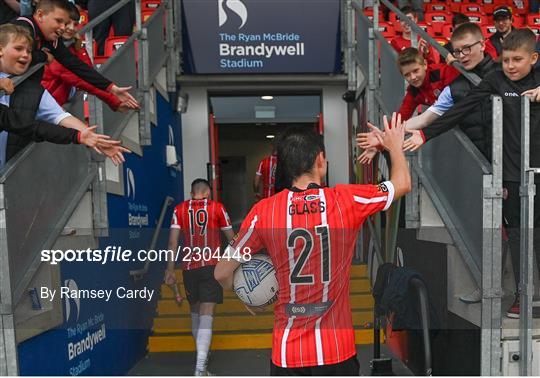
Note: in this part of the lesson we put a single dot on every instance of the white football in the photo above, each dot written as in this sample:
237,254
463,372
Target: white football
255,281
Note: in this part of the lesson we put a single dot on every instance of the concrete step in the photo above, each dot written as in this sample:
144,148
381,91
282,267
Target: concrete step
356,285
231,341
234,305
357,271
242,322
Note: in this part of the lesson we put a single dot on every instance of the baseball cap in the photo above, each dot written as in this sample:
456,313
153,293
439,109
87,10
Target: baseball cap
501,12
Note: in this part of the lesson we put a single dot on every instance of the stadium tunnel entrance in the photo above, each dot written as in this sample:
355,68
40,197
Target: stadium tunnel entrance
241,131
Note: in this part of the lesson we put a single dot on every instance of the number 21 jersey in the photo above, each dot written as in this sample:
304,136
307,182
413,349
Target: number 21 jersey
310,236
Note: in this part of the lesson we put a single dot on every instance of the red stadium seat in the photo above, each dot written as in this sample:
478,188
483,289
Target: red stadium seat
150,4
424,26
437,7
477,18
387,30
367,11
437,20
114,43
535,29
99,60
447,31
471,8
519,21
455,5
487,6
488,30
533,19
520,7
441,40
146,14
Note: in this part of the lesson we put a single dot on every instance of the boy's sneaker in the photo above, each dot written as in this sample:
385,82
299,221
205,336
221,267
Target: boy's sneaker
514,312
472,297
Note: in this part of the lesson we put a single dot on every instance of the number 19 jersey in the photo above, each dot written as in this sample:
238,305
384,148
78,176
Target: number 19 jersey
310,236
200,222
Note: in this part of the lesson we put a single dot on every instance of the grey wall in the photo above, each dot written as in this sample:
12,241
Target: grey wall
253,151
195,132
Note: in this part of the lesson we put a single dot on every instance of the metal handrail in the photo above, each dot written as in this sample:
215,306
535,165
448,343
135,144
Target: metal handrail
526,288
140,273
423,300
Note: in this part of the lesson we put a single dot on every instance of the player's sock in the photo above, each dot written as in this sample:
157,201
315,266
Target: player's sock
194,325
204,339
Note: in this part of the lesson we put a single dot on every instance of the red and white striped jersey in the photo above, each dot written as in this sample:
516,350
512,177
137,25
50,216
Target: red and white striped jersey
267,171
200,222
310,236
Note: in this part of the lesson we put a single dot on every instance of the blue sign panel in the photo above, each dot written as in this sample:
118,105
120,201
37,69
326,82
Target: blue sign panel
261,36
106,331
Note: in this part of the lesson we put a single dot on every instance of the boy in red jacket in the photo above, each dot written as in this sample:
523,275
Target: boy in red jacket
62,83
425,85
425,82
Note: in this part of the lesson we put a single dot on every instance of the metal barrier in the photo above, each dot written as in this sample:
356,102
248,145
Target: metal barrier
471,211
526,289
156,41
35,207
463,204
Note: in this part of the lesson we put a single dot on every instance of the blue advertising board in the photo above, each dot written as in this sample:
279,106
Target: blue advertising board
108,335
261,36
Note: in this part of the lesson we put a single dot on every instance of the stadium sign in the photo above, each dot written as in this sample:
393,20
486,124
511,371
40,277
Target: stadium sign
261,36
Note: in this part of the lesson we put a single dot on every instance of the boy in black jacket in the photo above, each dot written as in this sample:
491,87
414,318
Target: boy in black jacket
46,26
517,77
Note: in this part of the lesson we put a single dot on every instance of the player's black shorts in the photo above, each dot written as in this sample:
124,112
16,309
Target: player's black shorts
344,368
201,286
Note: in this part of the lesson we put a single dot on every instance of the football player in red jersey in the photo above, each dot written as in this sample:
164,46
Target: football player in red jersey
199,220
266,174
310,233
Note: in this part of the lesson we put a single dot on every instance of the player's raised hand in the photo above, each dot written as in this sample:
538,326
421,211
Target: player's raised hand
370,139
394,133
367,156
414,142
533,94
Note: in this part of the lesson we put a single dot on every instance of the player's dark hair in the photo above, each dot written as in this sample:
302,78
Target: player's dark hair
467,28
49,5
408,56
520,39
200,185
459,18
297,149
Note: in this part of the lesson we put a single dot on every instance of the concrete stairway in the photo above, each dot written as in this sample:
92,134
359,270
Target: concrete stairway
235,328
